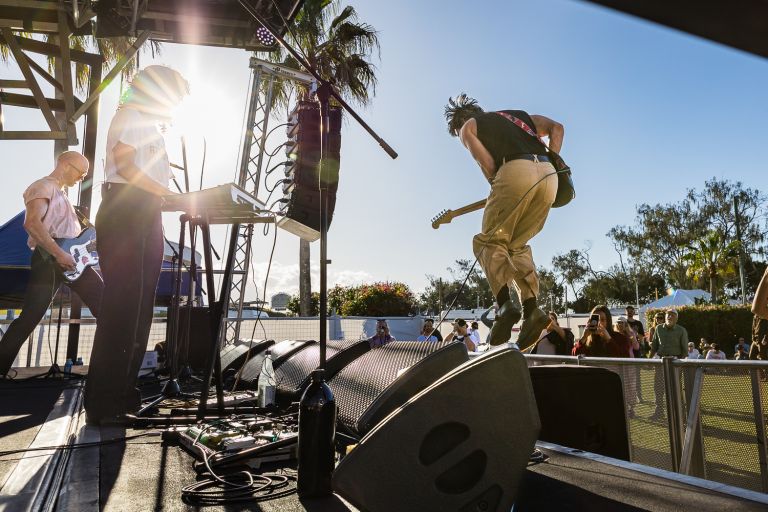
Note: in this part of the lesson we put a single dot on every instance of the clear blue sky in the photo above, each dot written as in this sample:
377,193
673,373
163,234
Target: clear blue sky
648,112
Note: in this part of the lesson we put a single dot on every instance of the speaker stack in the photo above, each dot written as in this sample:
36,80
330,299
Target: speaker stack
301,188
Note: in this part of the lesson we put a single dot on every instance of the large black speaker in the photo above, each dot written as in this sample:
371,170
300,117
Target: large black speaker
582,407
195,330
384,378
281,352
294,375
301,190
461,444
234,355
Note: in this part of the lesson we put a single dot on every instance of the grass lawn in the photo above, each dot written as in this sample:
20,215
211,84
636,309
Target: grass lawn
728,426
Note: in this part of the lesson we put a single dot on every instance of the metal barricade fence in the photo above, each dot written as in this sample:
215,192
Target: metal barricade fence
697,417
38,350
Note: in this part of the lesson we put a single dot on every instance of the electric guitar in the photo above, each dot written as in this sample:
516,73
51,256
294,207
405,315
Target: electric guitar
83,251
446,216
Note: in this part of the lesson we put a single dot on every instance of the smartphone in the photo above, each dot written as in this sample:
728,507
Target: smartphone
593,321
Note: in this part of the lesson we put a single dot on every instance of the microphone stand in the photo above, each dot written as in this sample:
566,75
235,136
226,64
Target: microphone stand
325,91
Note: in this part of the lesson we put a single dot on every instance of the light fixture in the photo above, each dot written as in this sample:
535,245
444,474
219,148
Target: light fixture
265,37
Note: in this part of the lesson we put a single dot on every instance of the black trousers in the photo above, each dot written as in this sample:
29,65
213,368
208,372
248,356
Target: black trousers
44,281
130,235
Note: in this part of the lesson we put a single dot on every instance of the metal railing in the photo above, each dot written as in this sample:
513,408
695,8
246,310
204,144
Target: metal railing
696,417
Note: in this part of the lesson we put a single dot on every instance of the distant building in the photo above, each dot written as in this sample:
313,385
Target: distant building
280,301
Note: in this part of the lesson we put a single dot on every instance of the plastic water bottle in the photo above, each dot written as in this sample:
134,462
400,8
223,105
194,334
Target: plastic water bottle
68,366
317,436
266,383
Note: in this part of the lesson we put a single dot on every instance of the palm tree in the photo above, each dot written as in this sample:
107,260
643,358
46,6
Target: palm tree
339,48
712,258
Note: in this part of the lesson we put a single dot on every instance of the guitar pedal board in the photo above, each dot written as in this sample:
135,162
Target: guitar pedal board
218,440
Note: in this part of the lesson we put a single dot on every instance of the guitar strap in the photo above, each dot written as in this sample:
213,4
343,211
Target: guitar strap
85,221
521,124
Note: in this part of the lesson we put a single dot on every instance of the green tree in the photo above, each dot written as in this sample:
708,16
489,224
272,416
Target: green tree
711,257
551,291
379,299
314,307
573,268
663,235
441,292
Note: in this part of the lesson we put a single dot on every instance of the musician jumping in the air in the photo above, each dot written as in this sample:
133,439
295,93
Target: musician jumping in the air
507,147
130,233
49,215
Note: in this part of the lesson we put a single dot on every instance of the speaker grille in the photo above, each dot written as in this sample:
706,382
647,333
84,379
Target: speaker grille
294,375
365,380
281,352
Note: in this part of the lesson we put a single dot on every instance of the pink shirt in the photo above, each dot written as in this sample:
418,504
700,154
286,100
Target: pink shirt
60,220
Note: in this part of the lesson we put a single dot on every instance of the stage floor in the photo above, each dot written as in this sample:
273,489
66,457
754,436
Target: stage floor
144,474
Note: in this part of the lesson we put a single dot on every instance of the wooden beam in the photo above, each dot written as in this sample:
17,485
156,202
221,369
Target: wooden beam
129,54
45,75
36,135
31,45
13,84
66,75
24,100
23,64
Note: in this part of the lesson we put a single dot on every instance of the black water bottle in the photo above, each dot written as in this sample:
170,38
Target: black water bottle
317,435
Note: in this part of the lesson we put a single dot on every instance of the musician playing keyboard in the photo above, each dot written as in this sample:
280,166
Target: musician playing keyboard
49,215
130,237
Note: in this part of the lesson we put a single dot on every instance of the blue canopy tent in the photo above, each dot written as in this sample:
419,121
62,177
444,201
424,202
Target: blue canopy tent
15,258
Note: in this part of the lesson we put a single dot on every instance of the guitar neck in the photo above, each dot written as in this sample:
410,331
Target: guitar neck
479,205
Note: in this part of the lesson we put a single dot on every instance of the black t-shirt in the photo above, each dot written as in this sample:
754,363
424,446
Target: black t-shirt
504,139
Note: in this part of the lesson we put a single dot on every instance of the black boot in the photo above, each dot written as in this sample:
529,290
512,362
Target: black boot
506,317
534,321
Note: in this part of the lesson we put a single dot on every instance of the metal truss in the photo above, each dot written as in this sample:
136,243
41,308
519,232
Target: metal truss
249,177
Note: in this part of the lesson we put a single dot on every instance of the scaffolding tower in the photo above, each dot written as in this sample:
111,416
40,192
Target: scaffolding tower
264,77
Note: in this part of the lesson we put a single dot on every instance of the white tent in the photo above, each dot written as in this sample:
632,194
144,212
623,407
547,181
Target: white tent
678,298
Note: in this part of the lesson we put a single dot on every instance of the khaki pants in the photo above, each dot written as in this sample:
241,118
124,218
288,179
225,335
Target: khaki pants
502,247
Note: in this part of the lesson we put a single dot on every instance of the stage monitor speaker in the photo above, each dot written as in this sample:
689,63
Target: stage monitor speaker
384,378
462,444
582,407
294,375
234,355
281,352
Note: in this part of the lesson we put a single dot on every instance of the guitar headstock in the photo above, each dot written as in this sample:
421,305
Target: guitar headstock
444,217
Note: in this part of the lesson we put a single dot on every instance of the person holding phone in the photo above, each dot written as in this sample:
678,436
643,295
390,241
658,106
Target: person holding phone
600,339
382,336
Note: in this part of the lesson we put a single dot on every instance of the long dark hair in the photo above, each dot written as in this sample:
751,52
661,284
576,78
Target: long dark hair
607,313
459,110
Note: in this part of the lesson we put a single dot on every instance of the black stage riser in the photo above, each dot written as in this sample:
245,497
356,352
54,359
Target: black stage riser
462,444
